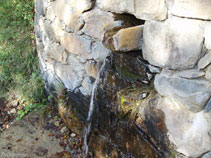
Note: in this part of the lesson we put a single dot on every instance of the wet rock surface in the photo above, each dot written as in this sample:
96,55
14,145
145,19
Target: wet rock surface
147,46
183,127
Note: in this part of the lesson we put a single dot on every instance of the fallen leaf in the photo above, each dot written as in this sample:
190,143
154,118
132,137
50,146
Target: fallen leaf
60,154
19,140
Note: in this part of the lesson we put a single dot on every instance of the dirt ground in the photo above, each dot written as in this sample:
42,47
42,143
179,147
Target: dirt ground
38,135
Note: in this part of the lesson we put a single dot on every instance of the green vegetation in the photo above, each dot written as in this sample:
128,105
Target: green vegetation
19,66
126,73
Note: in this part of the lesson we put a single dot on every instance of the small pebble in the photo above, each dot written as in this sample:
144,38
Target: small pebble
63,130
73,135
56,123
13,111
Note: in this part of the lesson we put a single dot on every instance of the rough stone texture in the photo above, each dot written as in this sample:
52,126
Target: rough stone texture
191,9
70,12
91,69
207,32
98,18
58,29
207,155
190,74
76,44
189,132
142,9
208,106
128,39
208,73
174,44
187,74
67,75
204,61
56,52
99,52
192,93
40,7
74,37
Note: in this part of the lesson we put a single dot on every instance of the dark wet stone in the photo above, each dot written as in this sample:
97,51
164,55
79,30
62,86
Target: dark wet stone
208,106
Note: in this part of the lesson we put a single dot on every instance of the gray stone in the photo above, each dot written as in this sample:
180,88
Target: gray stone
64,129
174,44
66,74
207,32
208,73
188,74
188,132
191,9
128,39
40,7
50,14
154,69
46,30
73,135
75,63
142,9
58,29
99,52
70,11
56,52
77,45
91,69
117,6
192,93
87,86
204,61
150,9
95,22
56,123
208,106
207,155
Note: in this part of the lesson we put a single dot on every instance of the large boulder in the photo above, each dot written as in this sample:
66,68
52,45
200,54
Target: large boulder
142,9
191,9
188,132
192,93
175,43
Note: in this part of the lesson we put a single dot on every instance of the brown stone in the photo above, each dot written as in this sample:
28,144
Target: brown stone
76,44
128,39
95,22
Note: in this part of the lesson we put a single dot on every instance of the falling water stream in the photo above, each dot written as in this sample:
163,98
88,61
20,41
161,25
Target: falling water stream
91,109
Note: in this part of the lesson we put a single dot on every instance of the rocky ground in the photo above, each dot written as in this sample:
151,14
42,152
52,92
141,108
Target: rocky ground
39,134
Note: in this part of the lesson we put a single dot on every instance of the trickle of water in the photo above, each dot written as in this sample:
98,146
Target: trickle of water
91,109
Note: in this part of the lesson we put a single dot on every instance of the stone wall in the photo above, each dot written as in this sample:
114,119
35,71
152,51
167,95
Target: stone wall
74,37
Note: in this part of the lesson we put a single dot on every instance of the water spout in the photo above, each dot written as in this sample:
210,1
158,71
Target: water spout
91,109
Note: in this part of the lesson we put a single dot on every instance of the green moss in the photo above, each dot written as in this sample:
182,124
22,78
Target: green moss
129,100
126,74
